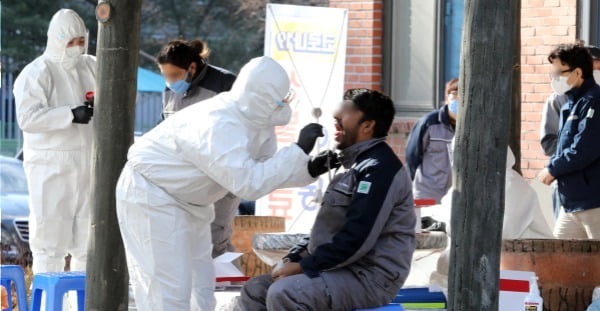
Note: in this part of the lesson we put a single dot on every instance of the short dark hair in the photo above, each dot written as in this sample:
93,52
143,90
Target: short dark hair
374,106
594,51
182,53
451,85
574,56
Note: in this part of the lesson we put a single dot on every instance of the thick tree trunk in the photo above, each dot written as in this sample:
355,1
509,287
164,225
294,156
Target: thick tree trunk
117,52
515,114
486,83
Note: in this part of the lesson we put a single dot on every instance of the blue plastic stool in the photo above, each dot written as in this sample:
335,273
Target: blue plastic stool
390,307
56,285
14,273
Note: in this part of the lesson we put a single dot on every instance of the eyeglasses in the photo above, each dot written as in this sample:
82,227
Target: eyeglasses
557,73
290,96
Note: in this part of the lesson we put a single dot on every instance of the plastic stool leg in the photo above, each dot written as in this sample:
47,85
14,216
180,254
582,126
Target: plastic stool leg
21,295
36,299
16,274
54,299
80,300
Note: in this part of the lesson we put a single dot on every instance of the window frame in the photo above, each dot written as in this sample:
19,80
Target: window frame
588,21
389,33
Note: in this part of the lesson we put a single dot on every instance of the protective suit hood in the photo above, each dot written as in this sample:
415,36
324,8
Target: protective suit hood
65,25
259,86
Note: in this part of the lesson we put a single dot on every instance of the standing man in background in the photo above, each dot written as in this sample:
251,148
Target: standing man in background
428,148
51,107
550,122
576,163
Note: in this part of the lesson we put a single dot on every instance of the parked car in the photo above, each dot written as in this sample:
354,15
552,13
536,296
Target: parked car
14,210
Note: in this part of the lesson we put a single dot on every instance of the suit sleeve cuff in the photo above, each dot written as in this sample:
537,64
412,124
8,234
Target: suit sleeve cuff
308,268
552,170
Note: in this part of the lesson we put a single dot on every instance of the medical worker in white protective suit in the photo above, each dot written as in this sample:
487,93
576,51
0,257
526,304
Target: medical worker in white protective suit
179,169
52,111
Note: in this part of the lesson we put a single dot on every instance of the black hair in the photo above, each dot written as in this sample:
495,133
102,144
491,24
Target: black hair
594,51
182,53
574,56
374,106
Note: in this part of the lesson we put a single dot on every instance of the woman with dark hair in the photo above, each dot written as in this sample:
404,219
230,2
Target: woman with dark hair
190,78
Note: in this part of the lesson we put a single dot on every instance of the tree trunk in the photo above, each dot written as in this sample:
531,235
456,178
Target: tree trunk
482,136
117,52
515,114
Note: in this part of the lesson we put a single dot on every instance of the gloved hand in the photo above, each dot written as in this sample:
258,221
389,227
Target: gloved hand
318,165
308,136
89,102
82,114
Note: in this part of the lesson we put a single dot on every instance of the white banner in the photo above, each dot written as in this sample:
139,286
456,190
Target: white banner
310,43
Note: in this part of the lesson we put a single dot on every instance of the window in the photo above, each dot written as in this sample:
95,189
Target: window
453,24
422,41
588,21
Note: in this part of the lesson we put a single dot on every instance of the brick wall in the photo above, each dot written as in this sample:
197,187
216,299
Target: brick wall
544,24
364,57
365,39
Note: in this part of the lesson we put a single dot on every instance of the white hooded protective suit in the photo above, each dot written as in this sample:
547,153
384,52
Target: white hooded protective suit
179,169
523,216
56,150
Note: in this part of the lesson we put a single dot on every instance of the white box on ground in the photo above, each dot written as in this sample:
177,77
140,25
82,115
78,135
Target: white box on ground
224,267
514,287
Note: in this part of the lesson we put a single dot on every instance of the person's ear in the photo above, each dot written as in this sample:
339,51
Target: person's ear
193,68
368,127
578,73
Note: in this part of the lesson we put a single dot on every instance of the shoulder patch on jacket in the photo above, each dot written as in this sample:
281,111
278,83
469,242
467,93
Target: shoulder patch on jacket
590,113
364,187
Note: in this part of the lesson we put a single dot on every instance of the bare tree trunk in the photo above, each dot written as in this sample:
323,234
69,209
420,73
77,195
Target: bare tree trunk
515,114
117,52
486,83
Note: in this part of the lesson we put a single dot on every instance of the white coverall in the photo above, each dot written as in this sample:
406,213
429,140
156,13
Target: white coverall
179,169
56,150
523,216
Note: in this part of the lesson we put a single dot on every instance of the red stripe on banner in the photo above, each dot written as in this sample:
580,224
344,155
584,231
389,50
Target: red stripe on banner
233,279
514,286
424,202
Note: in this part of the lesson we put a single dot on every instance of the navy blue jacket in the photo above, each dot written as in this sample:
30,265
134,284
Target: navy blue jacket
576,163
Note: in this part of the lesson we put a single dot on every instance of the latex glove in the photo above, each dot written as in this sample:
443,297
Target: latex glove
308,136
318,165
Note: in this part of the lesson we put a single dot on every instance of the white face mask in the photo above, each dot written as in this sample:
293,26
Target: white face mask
74,51
597,76
281,116
560,85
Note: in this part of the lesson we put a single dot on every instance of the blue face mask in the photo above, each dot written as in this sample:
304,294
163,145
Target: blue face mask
453,106
180,86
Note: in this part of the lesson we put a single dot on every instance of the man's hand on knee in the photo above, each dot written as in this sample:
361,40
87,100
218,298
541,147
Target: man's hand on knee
286,269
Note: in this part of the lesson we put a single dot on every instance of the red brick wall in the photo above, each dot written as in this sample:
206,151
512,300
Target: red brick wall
364,57
544,24
365,39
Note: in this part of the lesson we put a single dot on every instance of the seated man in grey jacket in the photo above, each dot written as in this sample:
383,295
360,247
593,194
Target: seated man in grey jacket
360,248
